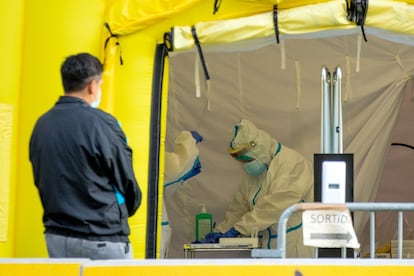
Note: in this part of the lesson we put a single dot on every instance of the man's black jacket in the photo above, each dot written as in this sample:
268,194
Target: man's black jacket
82,168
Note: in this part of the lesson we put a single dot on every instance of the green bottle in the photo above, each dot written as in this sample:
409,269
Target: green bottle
203,223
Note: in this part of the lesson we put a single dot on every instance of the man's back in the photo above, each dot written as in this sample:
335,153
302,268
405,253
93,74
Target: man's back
82,167
80,157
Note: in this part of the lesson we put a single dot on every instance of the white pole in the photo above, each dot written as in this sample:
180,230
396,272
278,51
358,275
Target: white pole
326,141
337,111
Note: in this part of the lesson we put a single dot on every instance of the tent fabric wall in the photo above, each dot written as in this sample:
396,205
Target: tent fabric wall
395,184
253,85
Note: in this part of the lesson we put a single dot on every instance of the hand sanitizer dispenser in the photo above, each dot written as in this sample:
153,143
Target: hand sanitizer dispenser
203,223
333,181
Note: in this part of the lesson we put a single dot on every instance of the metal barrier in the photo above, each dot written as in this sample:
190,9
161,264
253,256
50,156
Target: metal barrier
371,207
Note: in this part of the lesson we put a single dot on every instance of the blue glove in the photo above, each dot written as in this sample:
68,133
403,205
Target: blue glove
231,233
196,136
214,237
196,169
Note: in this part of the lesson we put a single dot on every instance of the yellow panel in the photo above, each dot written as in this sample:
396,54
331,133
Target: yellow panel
6,125
132,106
285,4
126,16
397,17
52,31
35,269
248,270
11,28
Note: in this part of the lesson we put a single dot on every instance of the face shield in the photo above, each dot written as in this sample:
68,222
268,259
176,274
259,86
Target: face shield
248,143
241,153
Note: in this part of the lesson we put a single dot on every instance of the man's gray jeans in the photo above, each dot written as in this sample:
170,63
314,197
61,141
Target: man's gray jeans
69,247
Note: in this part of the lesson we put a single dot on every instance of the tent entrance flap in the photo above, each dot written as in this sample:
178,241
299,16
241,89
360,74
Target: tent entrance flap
250,83
154,157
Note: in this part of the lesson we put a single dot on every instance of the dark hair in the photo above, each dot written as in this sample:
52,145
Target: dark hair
78,70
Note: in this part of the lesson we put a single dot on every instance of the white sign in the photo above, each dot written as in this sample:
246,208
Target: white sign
328,229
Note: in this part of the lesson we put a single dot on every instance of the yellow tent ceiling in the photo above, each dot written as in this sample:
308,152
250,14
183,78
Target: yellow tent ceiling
295,17
128,16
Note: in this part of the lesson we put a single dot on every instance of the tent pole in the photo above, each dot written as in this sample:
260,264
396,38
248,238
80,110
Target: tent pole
326,143
337,111
154,152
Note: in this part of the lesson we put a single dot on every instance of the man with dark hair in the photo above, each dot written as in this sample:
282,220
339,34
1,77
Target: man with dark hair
82,168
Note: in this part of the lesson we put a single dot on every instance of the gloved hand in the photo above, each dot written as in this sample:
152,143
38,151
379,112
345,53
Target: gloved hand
214,237
196,136
196,169
231,233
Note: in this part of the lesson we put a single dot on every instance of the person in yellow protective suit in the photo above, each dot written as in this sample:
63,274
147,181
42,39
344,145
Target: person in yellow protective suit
276,178
180,165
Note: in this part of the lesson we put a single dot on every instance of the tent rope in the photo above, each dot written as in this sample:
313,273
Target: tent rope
276,23
399,62
358,57
197,77
282,55
298,84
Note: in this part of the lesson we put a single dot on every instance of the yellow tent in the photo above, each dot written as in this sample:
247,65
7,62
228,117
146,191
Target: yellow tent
333,32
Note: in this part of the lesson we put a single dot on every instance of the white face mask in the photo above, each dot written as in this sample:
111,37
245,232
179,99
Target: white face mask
96,103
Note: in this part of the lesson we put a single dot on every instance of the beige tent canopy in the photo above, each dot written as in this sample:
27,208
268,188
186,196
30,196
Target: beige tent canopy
264,64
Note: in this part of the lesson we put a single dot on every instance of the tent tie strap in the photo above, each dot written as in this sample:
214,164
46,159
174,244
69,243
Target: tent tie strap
276,23
357,12
217,4
200,52
112,35
403,145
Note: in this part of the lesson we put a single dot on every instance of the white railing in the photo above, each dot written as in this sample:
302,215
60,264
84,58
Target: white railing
371,207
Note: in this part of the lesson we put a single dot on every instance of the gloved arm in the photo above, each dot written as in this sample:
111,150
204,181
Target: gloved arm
180,161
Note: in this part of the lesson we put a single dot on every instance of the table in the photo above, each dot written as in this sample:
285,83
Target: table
191,249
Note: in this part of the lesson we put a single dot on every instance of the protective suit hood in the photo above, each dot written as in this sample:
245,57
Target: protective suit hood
250,141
